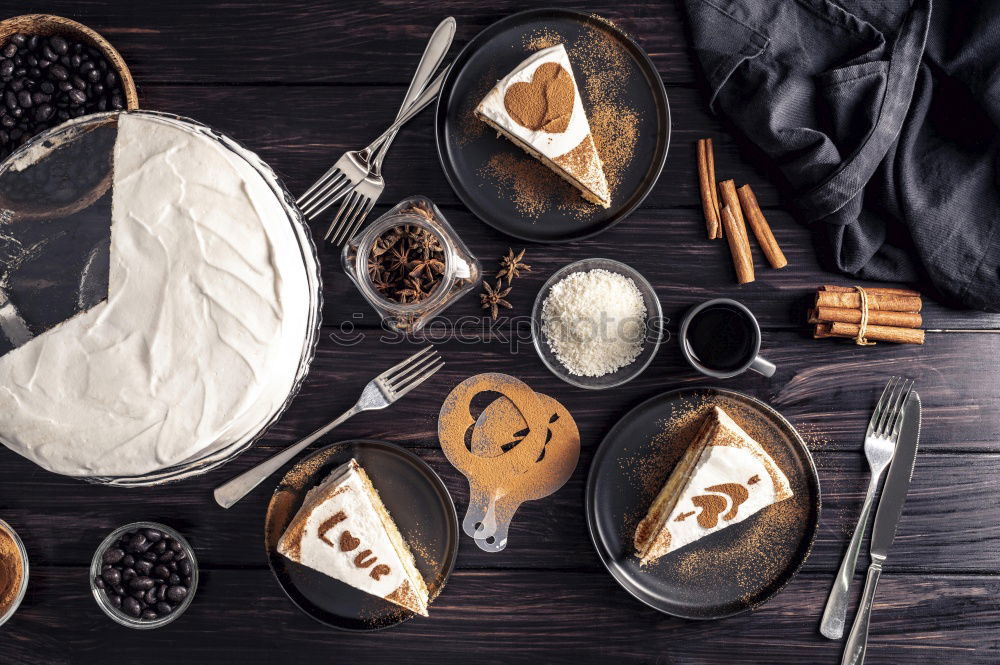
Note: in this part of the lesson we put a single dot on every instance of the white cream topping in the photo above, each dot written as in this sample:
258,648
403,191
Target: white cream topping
364,525
199,341
719,465
548,144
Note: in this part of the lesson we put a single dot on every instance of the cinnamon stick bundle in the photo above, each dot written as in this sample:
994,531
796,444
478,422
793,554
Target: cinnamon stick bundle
761,229
876,333
875,317
706,182
739,244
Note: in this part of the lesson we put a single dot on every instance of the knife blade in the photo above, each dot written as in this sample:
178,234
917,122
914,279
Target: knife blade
897,483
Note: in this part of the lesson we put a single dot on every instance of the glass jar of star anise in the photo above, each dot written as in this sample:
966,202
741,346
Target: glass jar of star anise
410,264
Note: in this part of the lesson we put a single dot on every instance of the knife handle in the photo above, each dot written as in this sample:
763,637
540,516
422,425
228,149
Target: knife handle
857,641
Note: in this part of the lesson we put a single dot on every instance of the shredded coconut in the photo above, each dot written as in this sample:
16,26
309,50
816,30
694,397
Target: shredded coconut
594,322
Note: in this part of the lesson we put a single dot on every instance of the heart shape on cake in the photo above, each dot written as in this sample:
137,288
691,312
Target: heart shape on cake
348,542
546,103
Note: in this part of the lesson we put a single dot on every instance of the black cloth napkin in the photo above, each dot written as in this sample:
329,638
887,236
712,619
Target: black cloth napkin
882,118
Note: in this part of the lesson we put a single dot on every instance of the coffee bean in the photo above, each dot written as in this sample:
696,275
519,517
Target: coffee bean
161,572
151,596
128,561
174,579
6,68
113,555
148,615
99,582
176,594
143,567
131,607
167,557
142,583
9,51
24,99
59,72
112,576
59,45
185,567
19,39
163,608
116,600
128,574
186,581
152,535
138,594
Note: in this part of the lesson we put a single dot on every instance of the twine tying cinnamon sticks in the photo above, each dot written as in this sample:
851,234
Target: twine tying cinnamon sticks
867,314
744,210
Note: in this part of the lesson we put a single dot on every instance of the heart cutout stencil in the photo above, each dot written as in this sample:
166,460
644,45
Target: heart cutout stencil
546,103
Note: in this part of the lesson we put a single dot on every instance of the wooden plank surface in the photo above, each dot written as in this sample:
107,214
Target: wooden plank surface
299,82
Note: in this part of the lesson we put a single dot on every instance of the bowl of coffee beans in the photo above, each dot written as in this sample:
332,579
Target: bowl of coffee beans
53,69
144,575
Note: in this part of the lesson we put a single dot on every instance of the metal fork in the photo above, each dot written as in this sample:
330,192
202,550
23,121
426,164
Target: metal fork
880,444
383,390
354,165
354,208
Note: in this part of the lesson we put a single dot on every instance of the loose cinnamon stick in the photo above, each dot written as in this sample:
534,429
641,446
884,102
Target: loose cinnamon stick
706,182
739,245
710,157
761,229
877,300
873,333
875,317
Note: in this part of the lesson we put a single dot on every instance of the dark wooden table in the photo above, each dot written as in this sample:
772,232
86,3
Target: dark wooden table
302,81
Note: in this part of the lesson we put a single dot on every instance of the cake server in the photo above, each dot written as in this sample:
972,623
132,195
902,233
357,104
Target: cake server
880,444
383,390
890,507
354,208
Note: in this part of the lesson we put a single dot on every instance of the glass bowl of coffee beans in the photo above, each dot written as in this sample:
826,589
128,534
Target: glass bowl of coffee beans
144,575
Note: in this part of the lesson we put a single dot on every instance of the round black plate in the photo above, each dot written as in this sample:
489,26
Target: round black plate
727,572
491,55
420,505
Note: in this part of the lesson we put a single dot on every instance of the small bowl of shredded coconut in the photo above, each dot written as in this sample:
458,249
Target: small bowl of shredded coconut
597,323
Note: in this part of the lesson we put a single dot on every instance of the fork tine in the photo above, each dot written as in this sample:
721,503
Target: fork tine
328,195
360,200
316,185
406,362
347,204
873,424
417,381
403,375
897,418
890,406
359,219
321,185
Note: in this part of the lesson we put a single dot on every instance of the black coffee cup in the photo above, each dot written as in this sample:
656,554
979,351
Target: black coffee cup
721,338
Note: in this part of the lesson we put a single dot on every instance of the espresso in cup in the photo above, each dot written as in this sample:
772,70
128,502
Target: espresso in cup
721,338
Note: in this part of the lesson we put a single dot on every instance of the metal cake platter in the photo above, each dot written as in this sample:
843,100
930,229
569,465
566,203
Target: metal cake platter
57,266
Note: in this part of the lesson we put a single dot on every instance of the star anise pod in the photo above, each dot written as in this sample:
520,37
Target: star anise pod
422,210
398,259
384,243
511,266
414,291
427,267
428,243
382,283
492,297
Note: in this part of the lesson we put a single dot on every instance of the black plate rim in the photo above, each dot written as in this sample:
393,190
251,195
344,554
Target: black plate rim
645,63
602,451
451,516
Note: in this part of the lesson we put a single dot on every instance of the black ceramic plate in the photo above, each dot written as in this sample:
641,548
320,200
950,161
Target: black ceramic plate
729,571
466,145
420,505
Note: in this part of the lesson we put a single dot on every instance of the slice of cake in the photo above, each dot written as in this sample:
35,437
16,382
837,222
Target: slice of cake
538,107
343,530
723,478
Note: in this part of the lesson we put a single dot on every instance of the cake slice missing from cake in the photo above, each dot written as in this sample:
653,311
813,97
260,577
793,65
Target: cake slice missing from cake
343,530
723,478
538,107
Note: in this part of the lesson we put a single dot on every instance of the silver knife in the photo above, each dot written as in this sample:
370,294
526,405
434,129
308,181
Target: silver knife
890,507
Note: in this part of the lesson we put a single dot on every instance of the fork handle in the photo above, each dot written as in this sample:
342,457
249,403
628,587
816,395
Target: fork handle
428,95
857,642
835,613
437,47
228,494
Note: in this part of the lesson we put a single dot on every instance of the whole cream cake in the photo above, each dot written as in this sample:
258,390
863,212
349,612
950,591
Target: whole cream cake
200,339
